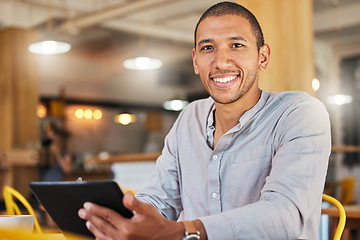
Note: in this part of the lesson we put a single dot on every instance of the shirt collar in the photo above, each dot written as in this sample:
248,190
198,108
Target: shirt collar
211,117
247,115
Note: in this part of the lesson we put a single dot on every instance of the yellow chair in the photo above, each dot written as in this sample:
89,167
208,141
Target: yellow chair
343,189
126,189
13,209
342,215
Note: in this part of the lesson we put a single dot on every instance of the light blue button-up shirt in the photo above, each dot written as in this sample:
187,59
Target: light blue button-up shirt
263,180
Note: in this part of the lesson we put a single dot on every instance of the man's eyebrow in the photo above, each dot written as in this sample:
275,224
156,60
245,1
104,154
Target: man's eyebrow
231,38
204,41
238,38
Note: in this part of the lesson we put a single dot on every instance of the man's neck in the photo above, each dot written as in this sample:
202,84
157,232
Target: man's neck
227,116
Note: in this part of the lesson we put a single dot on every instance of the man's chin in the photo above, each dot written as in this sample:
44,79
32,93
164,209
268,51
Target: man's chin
225,101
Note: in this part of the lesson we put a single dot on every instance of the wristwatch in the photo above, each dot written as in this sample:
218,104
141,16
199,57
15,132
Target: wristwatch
191,233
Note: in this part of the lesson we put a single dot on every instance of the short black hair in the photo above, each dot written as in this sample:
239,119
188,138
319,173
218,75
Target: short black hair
231,8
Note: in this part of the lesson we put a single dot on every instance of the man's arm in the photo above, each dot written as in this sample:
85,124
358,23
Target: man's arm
147,222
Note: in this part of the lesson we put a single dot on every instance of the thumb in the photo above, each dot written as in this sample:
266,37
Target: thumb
131,203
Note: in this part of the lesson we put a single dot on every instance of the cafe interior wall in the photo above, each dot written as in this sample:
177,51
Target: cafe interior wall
330,54
92,137
77,75
67,75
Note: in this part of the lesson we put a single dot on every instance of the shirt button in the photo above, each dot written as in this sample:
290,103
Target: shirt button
215,157
214,195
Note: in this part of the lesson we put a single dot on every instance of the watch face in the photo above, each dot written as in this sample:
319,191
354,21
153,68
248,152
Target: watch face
192,237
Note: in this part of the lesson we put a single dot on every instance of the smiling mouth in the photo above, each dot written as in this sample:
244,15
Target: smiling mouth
225,79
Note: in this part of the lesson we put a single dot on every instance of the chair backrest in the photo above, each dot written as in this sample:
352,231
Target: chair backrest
13,209
343,189
342,215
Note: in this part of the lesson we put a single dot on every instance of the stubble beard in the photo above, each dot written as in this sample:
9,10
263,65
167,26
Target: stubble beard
248,84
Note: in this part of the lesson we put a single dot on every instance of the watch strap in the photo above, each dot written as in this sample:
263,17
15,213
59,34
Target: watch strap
190,228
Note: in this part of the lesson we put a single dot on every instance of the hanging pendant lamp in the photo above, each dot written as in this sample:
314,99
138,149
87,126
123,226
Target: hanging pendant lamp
49,44
141,61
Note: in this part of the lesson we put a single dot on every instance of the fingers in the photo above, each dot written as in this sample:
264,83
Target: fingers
97,232
106,224
93,212
131,203
103,212
101,221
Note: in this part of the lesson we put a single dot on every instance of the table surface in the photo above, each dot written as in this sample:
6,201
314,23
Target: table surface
352,211
52,236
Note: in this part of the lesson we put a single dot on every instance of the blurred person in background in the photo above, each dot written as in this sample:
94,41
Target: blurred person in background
55,164
56,160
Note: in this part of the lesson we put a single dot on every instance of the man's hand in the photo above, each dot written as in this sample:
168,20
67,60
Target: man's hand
147,222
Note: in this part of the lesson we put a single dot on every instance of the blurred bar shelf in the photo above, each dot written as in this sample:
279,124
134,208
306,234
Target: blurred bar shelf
345,148
129,157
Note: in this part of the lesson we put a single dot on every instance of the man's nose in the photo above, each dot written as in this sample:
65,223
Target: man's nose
222,59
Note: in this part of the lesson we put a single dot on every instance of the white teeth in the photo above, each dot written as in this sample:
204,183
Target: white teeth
224,80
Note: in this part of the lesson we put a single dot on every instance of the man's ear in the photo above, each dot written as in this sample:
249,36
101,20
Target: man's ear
196,69
264,53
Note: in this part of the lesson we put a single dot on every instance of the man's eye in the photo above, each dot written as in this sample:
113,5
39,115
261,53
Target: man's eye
237,45
207,47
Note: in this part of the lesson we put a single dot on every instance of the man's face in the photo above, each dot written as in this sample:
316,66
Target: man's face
226,57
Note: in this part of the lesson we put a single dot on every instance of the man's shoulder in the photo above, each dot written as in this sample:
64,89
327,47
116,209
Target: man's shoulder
297,103
203,105
293,97
195,114
290,94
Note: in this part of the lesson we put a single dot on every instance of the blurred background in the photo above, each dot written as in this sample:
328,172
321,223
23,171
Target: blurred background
112,109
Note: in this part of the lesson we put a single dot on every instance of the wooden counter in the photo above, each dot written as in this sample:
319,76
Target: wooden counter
352,219
130,157
18,167
89,175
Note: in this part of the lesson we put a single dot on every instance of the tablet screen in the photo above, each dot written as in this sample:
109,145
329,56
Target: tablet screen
62,201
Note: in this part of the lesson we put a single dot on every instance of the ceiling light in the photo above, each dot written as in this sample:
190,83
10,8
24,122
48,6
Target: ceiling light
41,111
49,44
79,113
142,63
97,114
315,84
175,105
125,118
49,47
340,99
88,114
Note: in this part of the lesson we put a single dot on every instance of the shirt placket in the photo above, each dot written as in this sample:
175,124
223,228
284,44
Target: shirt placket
214,198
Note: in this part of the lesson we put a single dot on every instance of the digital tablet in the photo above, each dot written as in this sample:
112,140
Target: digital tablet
62,201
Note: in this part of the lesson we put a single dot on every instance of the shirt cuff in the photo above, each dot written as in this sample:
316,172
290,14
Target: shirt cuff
217,227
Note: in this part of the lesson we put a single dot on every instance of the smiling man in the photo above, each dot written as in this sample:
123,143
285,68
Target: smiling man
244,163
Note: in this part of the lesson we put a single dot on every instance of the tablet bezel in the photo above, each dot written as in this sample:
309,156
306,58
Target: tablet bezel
63,199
